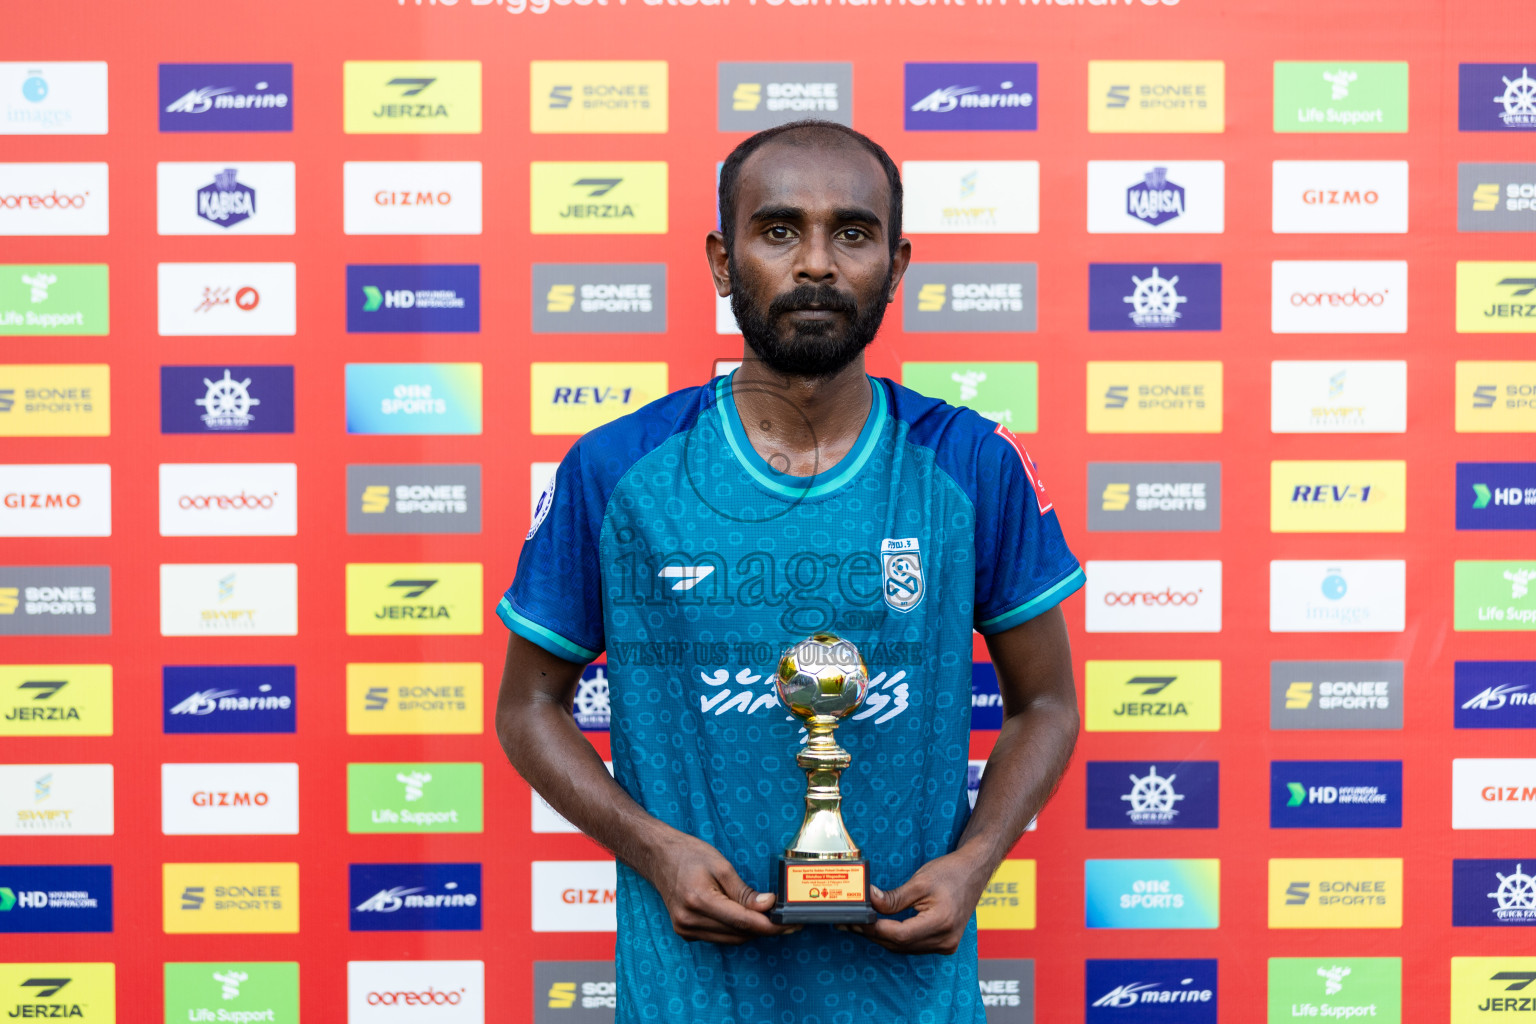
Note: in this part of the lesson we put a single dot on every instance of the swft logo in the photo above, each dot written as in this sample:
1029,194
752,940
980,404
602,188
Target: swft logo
1153,696
971,196
411,97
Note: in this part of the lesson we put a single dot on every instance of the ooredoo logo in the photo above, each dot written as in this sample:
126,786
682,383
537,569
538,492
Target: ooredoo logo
1339,296
53,199
415,991
1154,597
244,499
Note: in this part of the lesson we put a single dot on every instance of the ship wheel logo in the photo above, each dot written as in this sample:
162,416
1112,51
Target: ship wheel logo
228,402
1152,797
1155,300
1519,99
1516,894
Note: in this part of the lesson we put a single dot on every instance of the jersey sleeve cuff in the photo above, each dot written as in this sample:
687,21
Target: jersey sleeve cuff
1047,599
553,642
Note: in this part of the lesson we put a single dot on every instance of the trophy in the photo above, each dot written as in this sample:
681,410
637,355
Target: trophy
822,878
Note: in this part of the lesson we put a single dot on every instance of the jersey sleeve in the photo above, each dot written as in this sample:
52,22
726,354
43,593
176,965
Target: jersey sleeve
555,599
1023,565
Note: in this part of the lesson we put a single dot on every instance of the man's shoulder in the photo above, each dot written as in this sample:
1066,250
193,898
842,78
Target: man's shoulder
964,443
611,450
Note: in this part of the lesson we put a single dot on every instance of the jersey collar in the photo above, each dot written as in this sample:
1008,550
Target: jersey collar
802,488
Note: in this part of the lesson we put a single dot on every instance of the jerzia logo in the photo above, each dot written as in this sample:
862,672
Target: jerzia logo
413,599
598,198
411,97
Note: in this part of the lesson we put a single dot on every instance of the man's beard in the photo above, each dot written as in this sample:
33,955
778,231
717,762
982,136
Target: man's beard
818,348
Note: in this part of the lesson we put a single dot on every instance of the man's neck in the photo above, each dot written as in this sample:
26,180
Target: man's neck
801,425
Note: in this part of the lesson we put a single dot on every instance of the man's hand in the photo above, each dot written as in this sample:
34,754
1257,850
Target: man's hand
944,892
707,898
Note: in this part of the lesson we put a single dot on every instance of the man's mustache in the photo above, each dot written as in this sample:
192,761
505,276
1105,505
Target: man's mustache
809,296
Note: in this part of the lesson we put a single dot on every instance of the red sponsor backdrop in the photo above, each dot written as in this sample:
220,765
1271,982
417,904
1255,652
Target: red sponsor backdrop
1432,37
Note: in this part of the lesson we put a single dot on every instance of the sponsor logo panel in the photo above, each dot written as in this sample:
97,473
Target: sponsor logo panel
1005,392
413,499
412,991
1495,197
76,991
1496,495
414,598
598,198
53,199
413,398
573,398
1152,893
1007,990
1151,991
1495,595
1335,695
1495,398
55,400
1153,597
575,896
1485,988
1495,694
1156,96
56,300
227,299
413,298
56,800
234,992
970,197
411,97
414,897
1008,901
1336,794
1152,696
1350,197
986,699
219,199
972,97
1338,397
574,991
230,898
1154,297
1492,893
1358,96
55,600
415,699
607,97
415,797
1496,98
969,297
1166,197
411,197
248,599
55,898
56,501
1495,298
1338,496
55,700
753,95
1335,893
226,97
1131,496
59,97
229,698
1493,793
599,298
226,399
1149,795
228,799
1339,297
1154,398
591,707
1338,988
1337,597
229,499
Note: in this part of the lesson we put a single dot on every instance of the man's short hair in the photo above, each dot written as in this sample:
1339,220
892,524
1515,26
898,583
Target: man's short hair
730,172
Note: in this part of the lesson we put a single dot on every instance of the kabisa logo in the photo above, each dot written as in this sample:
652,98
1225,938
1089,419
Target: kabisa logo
74,991
573,398
1495,197
1156,197
1151,991
1156,96
419,698
1345,596
226,97
1497,97
1335,893
1336,794
1154,200
1495,297
1493,893
415,97
265,992
971,97
53,97
415,797
1142,296
414,897
598,198
1496,495
40,600
229,898
1139,794
597,96
414,499
225,202
752,96
1493,793
1496,398
1152,696
413,398
226,399
1152,893
1338,496
414,599
1361,96
969,297
59,300
399,299
1363,988
1131,496
229,698
1335,695
592,708
53,898
986,699
1495,694
574,992
583,298
1495,595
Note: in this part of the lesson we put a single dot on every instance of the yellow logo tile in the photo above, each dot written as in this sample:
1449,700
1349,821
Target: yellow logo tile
1008,903
1152,696
415,598
420,699
1154,398
1156,96
411,97
1338,497
55,700
1336,893
572,398
598,198
1495,298
1488,988
229,899
598,96
1495,398
82,992
49,400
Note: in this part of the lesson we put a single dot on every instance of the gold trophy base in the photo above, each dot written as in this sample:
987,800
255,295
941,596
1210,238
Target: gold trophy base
823,892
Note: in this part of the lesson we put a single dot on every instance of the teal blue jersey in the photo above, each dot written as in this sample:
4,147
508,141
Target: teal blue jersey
667,542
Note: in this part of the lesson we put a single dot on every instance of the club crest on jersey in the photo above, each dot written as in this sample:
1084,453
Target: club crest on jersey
901,573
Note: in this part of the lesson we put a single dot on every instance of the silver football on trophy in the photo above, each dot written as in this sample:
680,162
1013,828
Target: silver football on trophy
824,675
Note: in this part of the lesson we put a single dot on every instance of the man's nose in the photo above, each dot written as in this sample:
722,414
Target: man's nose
816,260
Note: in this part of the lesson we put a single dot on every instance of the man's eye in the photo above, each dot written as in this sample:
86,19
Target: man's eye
855,234
779,232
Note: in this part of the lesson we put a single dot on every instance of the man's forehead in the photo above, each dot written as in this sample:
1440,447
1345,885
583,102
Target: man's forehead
821,172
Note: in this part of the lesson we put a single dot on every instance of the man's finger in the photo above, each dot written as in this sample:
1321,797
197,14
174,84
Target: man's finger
895,900
726,911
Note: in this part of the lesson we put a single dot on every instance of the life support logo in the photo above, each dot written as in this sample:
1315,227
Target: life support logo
901,573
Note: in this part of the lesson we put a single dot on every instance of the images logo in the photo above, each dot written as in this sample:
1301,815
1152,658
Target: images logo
53,98
1495,398
971,197
229,699
1344,596
598,298
969,297
1004,392
1343,989
230,899
414,897
56,799
413,398
266,992
1154,398
1495,197
598,198
413,299
1337,497
411,197
229,799
1339,296
53,199
229,600
414,599
597,96
1141,296
1154,597
1156,96
1336,794
1131,496
1492,893
227,299
1154,991
55,700
757,95
226,399
1335,695
415,699
573,398
1152,696
226,97
52,898
1495,297
1136,794
1497,98
439,797
1495,694
1340,197
1335,893
416,97
1361,96
1152,893
1493,793
1343,397
1495,595
971,97
1156,197
53,300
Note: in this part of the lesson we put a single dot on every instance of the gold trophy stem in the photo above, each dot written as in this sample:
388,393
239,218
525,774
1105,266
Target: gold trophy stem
822,835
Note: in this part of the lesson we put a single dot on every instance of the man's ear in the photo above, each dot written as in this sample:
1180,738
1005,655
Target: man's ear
719,262
900,260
